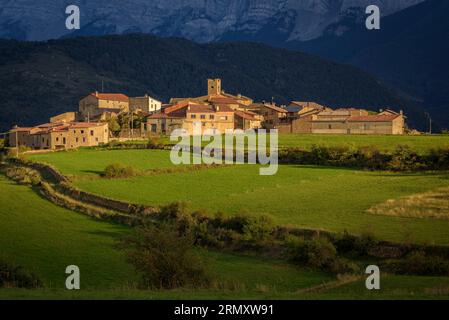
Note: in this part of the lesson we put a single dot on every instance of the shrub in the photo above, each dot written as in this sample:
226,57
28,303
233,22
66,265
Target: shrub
438,159
251,228
165,258
404,159
23,175
417,263
117,170
360,245
178,214
154,143
318,253
15,276
373,159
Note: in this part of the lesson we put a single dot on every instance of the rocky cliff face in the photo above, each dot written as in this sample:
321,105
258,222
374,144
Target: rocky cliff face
199,20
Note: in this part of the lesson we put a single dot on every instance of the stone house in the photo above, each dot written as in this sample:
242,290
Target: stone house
162,124
60,135
96,104
216,95
272,115
145,104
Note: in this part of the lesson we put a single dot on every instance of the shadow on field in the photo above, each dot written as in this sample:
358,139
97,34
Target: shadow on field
308,166
110,234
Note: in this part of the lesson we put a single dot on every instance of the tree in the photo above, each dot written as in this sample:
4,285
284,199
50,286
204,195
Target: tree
164,257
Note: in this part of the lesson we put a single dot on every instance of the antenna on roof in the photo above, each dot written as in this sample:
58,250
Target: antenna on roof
102,85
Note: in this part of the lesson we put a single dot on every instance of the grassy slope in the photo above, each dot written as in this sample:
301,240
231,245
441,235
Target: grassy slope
392,287
45,238
85,162
319,198
420,144
322,198
384,143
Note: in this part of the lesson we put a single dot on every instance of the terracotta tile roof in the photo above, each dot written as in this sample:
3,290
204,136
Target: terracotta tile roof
201,109
223,108
390,111
164,116
39,132
223,100
245,115
86,124
111,96
373,118
275,108
175,107
307,104
21,129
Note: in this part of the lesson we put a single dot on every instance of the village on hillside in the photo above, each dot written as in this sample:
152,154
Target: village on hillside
93,123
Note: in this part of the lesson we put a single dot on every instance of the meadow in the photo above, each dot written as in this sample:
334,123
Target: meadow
44,238
421,143
334,199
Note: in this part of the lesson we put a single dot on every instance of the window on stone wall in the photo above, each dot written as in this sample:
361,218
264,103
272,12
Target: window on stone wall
203,116
91,132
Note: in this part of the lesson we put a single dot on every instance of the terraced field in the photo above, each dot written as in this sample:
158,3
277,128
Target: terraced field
45,238
332,199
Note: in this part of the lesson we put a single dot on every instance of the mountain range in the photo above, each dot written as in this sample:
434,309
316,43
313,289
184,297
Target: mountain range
201,21
409,53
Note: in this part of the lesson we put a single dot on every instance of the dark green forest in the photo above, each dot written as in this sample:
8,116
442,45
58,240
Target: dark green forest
41,79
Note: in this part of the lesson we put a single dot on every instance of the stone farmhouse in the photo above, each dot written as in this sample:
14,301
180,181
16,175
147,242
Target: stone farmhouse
314,118
216,111
145,104
219,110
96,104
60,135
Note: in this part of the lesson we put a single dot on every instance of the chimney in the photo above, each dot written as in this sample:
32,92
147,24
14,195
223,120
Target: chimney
401,112
96,93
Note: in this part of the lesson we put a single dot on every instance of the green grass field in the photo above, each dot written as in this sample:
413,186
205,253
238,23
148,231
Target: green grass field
332,199
44,238
384,143
88,162
421,143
